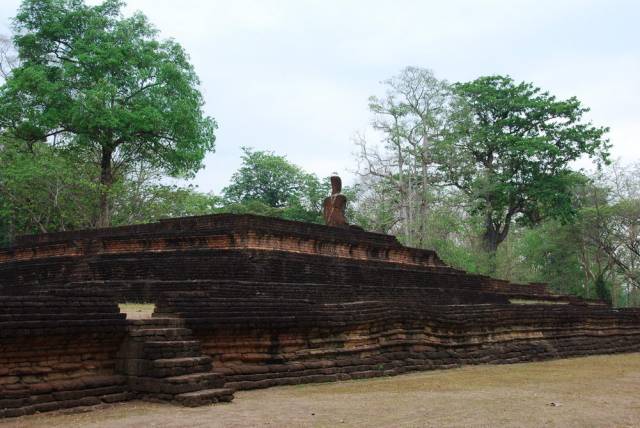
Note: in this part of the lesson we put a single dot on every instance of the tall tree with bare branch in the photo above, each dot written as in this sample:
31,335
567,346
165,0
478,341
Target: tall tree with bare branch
410,119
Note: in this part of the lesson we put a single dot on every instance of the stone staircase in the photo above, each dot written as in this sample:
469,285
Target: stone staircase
163,362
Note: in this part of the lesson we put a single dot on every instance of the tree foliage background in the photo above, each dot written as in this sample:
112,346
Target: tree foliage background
487,178
96,113
103,86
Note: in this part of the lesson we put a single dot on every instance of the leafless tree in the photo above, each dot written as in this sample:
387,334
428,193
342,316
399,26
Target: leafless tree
409,120
8,57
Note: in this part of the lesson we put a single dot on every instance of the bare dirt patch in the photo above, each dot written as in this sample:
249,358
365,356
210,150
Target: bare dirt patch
137,311
580,392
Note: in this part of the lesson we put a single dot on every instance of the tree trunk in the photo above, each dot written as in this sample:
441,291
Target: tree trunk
410,221
404,207
424,208
12,228
492,237
490,246
106,182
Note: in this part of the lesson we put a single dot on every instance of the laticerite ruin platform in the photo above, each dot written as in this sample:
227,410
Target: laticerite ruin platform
250,302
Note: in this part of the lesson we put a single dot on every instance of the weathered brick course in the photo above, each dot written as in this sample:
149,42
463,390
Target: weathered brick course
257,302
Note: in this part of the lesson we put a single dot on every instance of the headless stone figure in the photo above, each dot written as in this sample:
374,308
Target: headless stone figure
335,205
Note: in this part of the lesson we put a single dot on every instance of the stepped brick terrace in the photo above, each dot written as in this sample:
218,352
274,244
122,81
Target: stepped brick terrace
246,302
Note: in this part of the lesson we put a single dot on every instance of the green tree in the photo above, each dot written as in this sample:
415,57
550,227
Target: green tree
105,87
509,150
269,184
600,246
557,254
142,197
614,227
272,180
41,190
602,290
45,189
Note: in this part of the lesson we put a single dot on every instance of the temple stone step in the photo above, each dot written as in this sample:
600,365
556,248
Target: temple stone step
179,366
163,362
182,362
157,322
177,384
171,349
165,367
173,333
165,372
164,315
204,397
203,378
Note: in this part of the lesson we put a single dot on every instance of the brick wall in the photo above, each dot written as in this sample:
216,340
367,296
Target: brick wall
271,302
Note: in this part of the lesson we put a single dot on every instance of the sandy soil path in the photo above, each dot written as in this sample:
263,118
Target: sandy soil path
602,391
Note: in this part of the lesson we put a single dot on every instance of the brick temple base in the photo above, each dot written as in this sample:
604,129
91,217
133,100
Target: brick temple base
250,302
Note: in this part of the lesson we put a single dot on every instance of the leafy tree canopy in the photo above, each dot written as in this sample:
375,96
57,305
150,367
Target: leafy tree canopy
274,181
510,147
47,189
105,86
41,190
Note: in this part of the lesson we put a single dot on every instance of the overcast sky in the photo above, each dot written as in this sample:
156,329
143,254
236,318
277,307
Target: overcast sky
294,76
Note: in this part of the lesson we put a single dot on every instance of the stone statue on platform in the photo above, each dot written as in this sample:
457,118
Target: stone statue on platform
335,205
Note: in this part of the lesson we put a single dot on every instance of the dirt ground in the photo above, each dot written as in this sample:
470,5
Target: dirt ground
602,391
137,311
